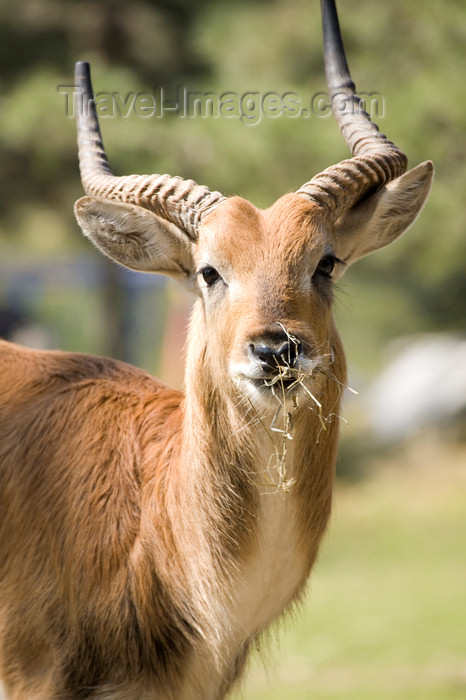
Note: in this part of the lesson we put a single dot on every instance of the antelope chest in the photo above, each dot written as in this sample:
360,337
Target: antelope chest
277,565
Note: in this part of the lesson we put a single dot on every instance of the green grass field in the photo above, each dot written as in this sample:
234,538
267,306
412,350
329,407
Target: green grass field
385,617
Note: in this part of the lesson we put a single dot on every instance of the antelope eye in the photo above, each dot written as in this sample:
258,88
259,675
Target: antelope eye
209,275
326,265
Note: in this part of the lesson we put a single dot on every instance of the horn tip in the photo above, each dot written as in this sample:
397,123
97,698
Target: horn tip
82,72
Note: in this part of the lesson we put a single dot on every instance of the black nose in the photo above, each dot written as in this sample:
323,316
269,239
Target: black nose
273,357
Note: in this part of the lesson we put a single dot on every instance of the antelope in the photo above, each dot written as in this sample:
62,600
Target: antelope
148,537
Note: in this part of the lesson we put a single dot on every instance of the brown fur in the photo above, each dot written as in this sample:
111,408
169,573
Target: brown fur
143,542
129,511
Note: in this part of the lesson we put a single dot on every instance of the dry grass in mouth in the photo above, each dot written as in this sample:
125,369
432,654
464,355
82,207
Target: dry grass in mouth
286,384
283,423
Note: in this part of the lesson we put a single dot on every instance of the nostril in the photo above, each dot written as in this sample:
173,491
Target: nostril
264,353
271,358
288,353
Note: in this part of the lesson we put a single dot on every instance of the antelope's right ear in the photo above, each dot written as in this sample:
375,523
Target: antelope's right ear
383,216
137,238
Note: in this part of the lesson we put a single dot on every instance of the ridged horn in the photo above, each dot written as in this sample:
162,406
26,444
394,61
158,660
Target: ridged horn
179,201
376,160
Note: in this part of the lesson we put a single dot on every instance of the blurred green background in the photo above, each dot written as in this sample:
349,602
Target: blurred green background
387,615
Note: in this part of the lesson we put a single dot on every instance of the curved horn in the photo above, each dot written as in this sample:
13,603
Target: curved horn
376,159
182,202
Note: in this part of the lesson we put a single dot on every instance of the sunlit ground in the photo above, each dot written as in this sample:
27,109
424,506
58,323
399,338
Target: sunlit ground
386,614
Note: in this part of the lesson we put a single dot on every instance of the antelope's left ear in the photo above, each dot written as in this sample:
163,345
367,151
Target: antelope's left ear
383,216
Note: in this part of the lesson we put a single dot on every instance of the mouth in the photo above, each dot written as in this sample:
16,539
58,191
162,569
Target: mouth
283,387
275,383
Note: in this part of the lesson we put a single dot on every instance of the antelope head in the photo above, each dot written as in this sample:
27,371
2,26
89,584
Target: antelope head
264,277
